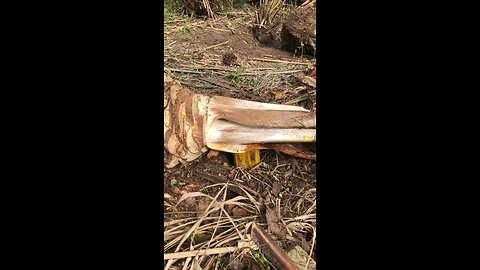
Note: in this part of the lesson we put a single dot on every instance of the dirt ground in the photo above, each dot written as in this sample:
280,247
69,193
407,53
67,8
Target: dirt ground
193,53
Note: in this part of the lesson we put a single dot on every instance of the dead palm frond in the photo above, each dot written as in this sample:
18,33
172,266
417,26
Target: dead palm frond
226,234
181,233
193,123
206,4
266,11
309,3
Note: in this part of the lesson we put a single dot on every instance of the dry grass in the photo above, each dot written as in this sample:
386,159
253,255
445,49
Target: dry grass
224,231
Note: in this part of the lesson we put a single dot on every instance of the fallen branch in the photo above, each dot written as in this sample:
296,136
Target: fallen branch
279,61
183,70
213,46
292,150
296,100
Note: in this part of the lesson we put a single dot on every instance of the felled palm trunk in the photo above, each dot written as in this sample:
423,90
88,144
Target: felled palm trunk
194,123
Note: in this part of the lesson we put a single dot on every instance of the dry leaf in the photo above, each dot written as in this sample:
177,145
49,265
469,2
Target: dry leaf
191,187
190,201
212,153
304,244
202,206
276,189
310,81
239,212
279,95
176,190
300,258
235,262
274,225
306,79
229,207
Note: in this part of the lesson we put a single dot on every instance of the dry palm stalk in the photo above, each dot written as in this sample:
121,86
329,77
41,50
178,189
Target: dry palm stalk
193,123
206,4
267,10
309,3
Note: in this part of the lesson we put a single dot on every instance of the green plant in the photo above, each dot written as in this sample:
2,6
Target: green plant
221,8
236,77
171,53
178,183
246,7
260,258
185,29
286,9
171,7
166,13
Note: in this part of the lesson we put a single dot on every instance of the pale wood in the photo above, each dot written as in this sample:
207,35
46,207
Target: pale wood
202,252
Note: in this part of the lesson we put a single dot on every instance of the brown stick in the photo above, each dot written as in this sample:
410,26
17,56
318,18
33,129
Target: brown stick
275,254
216,45
290,149
278,61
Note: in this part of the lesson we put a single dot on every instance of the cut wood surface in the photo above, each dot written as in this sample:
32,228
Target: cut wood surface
193,123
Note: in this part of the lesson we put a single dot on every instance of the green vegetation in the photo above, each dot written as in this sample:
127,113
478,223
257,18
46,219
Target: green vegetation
185,29
238,78
260,258
171,7
178,183
171,53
